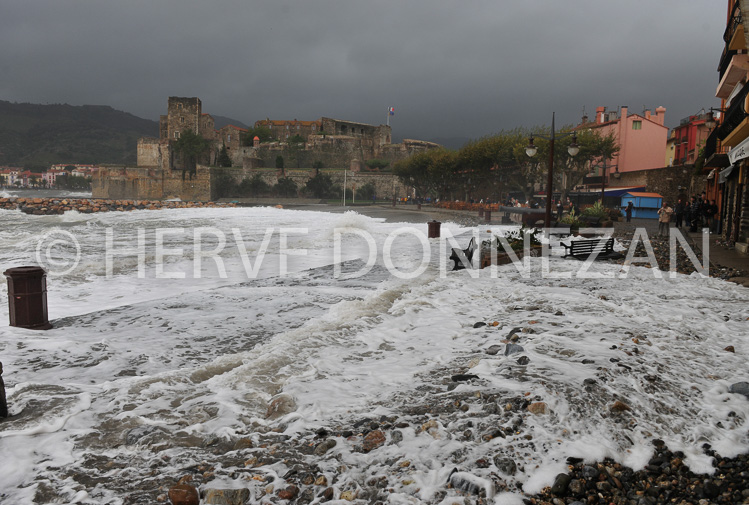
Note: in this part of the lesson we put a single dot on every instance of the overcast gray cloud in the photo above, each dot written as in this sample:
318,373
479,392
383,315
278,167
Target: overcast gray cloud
451,69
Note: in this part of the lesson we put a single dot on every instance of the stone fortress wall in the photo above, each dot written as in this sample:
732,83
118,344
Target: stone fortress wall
128,183
342,145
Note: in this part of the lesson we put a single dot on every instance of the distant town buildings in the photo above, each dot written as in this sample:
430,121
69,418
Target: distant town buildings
14,177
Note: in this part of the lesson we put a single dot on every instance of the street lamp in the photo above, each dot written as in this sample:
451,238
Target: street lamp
531,151
711,122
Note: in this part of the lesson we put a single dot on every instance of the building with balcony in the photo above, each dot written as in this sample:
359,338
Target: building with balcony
689,137
727,146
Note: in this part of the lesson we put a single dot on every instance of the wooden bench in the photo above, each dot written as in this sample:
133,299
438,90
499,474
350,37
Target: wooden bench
467,252
582,249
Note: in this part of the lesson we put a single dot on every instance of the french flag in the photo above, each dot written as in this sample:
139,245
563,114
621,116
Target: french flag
391,111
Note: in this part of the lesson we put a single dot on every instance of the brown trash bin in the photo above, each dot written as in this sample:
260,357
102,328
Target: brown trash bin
488,215
27,297
434,229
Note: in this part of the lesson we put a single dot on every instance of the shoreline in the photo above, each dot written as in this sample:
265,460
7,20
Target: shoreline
724,263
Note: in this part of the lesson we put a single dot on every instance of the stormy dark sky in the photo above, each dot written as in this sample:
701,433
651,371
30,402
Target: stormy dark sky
450,68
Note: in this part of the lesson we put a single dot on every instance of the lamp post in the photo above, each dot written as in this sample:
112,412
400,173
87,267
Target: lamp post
711,121
531,151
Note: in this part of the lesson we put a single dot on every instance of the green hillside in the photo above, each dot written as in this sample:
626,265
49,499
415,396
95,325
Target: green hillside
35,136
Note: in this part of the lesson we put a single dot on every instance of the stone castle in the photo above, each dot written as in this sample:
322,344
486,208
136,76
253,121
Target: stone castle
331,143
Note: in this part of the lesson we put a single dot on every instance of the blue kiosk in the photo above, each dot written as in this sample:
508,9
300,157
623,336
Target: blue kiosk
646,204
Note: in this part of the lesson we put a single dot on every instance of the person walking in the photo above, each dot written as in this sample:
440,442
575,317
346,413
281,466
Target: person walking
664,218
710,210
679,212
628,210
695,215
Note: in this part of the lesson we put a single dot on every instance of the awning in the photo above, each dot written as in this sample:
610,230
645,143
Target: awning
739,152
622,191
725,174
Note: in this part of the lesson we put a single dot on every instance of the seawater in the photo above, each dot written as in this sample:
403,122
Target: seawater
152,365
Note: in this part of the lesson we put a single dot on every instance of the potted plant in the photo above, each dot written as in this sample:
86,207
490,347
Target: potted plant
573,221
599,212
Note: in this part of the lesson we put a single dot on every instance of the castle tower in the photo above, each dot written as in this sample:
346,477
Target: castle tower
183,113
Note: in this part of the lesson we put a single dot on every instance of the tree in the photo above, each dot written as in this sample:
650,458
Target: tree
191,147
320,186
595,151
253,187
497,164
429,172
225,185
73,182
223,158
262,132
285,187
295,146
366,192
377,164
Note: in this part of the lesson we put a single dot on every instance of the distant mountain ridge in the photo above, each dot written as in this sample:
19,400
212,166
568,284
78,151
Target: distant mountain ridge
35,135
221,121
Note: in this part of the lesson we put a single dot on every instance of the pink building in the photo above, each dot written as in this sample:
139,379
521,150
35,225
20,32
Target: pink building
50,176
641,138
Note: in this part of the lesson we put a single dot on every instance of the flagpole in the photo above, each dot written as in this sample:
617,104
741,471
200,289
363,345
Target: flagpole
387,117
344,187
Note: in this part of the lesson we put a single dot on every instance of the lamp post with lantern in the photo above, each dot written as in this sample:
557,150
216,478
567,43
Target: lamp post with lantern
711,121
531,151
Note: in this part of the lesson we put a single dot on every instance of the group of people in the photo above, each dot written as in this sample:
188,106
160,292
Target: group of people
695,213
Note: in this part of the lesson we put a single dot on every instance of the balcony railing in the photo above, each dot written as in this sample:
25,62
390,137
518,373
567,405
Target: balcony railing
733,23
735,114
715,154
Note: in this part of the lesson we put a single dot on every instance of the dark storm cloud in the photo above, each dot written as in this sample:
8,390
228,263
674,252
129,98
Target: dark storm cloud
451,69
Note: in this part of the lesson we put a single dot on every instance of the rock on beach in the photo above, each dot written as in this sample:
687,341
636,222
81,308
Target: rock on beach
53,206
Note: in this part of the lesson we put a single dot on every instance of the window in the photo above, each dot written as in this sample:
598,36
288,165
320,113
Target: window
228,138
297,127
182,120
637,125
176,135
314,127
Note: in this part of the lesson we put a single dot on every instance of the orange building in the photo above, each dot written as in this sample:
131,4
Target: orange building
727,147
